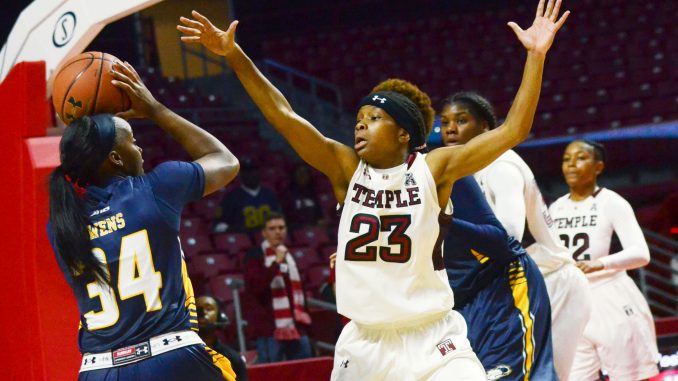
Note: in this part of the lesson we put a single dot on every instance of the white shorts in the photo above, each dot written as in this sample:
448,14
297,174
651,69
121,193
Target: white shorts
436,349
620,337
570,298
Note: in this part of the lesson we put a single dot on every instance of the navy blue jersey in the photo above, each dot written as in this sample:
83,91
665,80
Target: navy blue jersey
134,229
243,211
477,248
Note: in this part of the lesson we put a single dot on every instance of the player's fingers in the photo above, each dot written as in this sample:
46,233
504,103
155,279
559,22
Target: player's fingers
204,20
540,8
129,114
556,11
516,29
123,86
189,31
119,74
549,9
232,27
133,72
190,39
562,20
191,23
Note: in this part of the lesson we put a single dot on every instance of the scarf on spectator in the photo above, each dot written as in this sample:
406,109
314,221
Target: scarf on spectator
284,315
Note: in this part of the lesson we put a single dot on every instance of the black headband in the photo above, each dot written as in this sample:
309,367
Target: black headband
403,111
105,127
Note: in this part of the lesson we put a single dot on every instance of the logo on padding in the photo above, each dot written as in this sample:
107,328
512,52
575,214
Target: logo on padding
64,29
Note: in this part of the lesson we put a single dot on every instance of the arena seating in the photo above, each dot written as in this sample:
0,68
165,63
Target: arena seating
600,75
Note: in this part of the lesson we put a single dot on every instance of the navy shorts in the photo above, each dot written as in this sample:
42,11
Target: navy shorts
509,324
195,362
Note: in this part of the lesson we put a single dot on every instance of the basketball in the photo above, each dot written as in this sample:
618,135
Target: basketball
82,86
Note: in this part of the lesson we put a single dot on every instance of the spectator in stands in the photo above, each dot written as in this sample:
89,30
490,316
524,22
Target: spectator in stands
277,314
212,318
244,209
300,200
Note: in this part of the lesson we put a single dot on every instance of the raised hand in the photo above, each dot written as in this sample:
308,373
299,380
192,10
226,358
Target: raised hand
128,80
202,31
539,37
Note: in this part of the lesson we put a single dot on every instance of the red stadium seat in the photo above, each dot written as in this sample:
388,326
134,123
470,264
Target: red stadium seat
232,243
195,244
192,226
221,288
311,236
305,257
212,264
316,276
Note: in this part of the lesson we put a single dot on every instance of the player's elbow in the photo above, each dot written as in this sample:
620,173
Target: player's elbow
644,256
230,169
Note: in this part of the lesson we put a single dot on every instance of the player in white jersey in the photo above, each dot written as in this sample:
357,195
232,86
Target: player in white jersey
512,192
390,278
619,337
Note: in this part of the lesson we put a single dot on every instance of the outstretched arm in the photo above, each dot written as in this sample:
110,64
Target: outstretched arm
218,163
450,163
335,160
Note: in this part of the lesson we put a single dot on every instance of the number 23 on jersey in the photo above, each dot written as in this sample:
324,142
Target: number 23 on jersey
397,226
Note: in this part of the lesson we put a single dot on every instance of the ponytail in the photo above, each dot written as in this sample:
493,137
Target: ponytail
67,212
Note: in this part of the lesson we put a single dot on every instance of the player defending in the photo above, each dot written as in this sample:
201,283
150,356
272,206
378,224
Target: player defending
115,233
499,291
511,190
619,337
391,281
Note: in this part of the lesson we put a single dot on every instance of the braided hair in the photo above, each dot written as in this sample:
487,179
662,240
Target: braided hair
478,106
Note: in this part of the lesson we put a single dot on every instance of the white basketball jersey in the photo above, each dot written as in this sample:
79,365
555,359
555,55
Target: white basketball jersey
547,252
388,233
586,228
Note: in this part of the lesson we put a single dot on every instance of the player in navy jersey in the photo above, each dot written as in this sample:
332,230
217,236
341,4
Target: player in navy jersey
115,233
499,290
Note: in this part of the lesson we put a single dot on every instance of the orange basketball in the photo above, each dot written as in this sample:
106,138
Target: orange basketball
82,86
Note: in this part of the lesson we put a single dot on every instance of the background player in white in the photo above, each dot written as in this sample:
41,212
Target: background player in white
620,336
511,190
400,303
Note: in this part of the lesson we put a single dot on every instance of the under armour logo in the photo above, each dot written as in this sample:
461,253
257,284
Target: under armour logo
142,351
628,310
94,359
344,364
75,105
377,98
167,341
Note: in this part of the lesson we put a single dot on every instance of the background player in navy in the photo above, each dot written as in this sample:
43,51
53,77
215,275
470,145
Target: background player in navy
499,290
115,233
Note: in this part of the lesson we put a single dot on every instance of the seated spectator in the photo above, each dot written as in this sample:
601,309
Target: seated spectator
300,201
244,209
211,319
276,311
